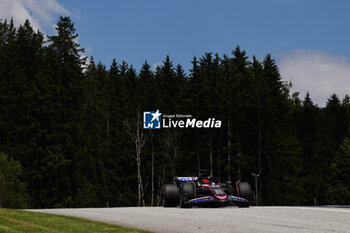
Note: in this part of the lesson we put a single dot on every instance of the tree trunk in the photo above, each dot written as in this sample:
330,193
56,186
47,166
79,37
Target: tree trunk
159,181
219,170
211,155
108,156
259,149
229,150
239,153
239,165
198,156
139,144
163,174
259,138
139,139
138,182
141,185
152,177
175,155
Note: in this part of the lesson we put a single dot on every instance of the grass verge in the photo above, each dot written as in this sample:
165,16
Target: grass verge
23,221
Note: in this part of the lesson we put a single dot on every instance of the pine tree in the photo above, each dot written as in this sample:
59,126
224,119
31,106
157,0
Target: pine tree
63,125
12,188
337,191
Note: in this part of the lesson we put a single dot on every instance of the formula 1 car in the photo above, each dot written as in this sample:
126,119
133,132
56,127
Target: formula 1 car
205,191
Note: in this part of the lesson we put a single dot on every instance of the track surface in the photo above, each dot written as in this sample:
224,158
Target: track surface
230,219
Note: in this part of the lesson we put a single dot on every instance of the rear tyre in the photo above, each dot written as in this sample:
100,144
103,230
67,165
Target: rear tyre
187,193
245,191
170,195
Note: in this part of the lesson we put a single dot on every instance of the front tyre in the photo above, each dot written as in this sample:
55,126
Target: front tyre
244,191
170,195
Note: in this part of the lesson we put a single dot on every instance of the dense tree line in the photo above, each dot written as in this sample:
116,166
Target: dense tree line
71,133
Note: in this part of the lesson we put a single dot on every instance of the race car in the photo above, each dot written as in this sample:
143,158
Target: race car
204,190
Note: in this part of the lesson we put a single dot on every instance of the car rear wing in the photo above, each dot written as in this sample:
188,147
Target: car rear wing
185,178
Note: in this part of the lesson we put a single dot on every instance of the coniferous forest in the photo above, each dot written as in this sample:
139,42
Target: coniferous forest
71,132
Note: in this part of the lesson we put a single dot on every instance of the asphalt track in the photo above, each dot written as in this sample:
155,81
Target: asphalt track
229,219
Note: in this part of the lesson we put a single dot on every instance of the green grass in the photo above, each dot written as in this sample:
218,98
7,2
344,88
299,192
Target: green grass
24,221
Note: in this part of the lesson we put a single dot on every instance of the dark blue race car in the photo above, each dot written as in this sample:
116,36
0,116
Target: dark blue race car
205,191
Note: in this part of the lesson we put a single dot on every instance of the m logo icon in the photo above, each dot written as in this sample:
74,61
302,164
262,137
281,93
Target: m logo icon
151,120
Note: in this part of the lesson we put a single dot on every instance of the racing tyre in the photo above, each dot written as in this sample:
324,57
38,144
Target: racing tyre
187,193
245,191
170,195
